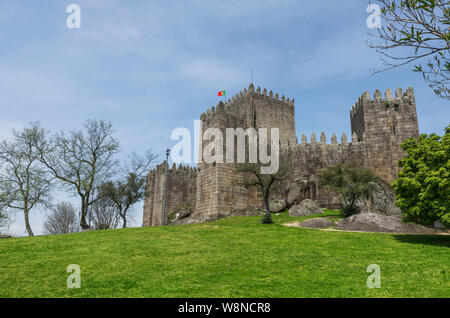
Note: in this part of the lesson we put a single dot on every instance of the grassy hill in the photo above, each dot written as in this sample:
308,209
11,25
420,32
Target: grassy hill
234,257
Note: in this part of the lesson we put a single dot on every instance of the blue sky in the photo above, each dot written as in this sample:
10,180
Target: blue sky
152,66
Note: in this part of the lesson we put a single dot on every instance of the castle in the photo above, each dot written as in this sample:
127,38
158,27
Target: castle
210,191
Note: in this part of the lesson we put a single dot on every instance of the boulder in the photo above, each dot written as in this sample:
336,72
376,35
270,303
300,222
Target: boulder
383,201
306,207
318,223
3,236
277,205
180,215
373,222
438,225
186,221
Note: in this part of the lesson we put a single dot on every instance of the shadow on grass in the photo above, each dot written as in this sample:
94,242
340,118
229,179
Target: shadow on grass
438,240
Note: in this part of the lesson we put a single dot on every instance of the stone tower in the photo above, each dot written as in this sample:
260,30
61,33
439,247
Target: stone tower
217,189
383,124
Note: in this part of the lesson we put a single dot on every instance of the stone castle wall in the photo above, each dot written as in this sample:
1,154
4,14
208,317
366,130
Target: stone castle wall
378,126
180,195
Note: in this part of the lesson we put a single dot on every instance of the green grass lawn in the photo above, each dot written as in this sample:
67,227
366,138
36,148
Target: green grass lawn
234,257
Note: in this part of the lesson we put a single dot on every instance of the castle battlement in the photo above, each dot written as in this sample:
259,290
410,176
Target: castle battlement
233,106
161,168
365,98
323,140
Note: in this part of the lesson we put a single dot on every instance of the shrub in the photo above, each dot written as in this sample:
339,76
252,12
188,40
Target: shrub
266,219
351,183
423,185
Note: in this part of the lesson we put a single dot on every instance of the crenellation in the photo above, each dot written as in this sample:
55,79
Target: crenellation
389,95
410,91
366,97
377,95
334,139
323,138
220,108
344,139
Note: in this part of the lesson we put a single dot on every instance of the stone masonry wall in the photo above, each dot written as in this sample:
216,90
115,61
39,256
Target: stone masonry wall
180,195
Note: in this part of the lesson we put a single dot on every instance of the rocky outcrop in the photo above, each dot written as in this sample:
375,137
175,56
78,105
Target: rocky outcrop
382,202
277,205
178,216
306,207
186,221
373,222
318,223
438,225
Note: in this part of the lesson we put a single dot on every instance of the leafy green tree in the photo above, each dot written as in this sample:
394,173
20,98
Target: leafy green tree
351,183
423,185
416,31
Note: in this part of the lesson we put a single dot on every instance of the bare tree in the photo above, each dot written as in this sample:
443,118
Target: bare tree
24,183
252,176
4,219
82,160
105,214
62,220
422,26
129,189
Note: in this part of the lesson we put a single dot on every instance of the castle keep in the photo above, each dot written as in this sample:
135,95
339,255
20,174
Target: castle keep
210,191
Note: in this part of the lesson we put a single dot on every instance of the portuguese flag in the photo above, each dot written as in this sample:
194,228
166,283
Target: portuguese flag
222,93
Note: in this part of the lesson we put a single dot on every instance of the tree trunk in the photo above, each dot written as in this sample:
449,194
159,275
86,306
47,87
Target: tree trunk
124,220
84,208
27,223
267,206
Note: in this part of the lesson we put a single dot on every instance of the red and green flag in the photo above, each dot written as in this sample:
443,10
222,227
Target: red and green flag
222,93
